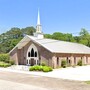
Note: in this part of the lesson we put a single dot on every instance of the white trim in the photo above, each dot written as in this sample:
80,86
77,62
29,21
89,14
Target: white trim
29,50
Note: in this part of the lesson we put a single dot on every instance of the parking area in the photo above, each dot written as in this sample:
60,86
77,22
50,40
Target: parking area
21,81
79,73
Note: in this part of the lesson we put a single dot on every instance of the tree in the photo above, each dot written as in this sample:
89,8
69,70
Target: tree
9,39
85,37
84,32
28,30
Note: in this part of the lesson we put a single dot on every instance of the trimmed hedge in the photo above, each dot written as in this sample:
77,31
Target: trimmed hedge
40,68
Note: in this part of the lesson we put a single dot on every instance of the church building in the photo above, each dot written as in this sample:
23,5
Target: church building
34,50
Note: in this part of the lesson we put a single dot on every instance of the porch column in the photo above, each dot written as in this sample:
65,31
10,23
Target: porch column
54,64
28,62
72,60
36,61
60,61
84,60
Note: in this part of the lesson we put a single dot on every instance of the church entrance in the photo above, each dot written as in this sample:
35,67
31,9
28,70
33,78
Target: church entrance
32,61
32,55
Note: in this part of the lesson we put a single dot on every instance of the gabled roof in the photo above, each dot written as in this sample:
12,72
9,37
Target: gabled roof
55,46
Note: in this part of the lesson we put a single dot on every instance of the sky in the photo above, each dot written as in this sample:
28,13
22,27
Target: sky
66,16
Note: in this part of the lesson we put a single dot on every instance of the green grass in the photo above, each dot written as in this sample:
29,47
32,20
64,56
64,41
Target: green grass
87,82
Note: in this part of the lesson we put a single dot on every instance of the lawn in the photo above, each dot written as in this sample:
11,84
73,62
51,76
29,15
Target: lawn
87,82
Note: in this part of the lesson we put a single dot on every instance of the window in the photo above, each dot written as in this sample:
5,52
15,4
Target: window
57,61
32,52
69,61
28,54
35,54
74,60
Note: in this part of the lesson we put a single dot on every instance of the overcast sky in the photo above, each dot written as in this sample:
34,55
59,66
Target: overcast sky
67,16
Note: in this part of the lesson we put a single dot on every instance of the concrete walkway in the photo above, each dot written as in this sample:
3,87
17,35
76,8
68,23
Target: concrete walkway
80,73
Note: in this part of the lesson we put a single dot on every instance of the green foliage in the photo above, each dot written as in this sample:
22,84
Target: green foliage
4,57
43,64
63,63
40,68
87,82
35,68
3,64
50,69
61,36
47,69
31,68
79,63
84,32
11,62
9,39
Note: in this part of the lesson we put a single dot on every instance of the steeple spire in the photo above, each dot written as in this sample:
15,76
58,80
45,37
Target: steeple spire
39,33
38,20
38,27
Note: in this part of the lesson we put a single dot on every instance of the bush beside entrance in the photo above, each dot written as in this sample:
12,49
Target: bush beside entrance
5,60
40,68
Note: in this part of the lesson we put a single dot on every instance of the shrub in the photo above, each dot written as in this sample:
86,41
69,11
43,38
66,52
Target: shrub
3,64
45,69
43,64
31,68
11,62
7,64
63,63
36,68
50,69
4,57
79,63
40,68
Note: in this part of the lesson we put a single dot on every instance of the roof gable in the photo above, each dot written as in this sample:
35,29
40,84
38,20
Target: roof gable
56,46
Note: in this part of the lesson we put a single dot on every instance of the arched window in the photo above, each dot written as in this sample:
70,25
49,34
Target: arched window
35,54
32,52
28,54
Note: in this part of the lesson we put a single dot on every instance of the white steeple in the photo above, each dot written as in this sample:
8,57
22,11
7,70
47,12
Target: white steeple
38,27
39,33
38,19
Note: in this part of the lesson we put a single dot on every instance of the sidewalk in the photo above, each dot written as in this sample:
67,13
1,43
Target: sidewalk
79,73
